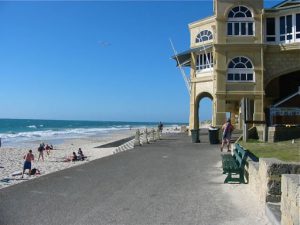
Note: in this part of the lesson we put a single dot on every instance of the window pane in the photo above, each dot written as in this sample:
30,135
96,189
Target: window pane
201,61
297,22
229,28
236,28
243,28
230,15
231,65
271,39
236,76
243,76
249,64
240,65
250,28
239,14
230,76
244,60
204,38
282,38
289,37
297,36
249,14
249,76
236,60
282,25
289,24
270,26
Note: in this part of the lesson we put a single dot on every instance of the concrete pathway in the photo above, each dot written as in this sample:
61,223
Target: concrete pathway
169,182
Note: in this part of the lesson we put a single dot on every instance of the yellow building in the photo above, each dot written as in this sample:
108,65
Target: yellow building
243,51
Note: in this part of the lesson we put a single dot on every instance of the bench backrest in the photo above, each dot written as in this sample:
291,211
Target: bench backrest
240,154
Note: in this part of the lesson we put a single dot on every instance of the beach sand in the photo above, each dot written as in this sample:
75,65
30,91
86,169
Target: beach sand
11,159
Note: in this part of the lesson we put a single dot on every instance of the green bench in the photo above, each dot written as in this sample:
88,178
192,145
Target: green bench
234,164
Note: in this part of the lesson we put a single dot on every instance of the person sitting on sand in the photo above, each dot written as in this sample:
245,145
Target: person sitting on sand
41,152
27,164
80,154
74,158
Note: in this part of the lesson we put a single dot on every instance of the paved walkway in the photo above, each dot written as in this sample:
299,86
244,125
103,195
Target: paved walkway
170,182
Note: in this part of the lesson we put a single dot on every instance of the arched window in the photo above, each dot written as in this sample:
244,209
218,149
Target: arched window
240,69
240,21
204,35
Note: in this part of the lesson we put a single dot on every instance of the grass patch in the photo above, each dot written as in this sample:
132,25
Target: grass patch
284,150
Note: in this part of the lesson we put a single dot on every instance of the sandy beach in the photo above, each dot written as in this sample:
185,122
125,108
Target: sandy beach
11,160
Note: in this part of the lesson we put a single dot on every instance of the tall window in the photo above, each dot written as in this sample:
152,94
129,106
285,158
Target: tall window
240,69
270,30
204,61
204,35
240,22
298,26
289,28
286,31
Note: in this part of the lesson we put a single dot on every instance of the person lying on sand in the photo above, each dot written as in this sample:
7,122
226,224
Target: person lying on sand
72,158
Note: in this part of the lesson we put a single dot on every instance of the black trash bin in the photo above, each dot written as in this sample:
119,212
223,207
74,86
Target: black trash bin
195,136
213,133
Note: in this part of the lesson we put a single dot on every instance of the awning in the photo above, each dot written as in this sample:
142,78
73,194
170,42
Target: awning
184,58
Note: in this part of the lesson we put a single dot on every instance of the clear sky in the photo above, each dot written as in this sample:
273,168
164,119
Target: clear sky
96,60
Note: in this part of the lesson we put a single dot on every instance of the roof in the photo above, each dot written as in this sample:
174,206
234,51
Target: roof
287,3
184,58
287,100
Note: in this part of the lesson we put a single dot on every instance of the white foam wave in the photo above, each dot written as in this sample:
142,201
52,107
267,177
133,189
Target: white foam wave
32,126
56,134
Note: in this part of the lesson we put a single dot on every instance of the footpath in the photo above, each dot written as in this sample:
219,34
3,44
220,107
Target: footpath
169,182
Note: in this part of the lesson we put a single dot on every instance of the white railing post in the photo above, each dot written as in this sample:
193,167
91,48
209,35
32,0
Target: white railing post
137,141
153,135
158,134
146,136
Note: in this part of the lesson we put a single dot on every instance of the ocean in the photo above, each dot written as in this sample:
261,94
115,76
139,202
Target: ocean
16,131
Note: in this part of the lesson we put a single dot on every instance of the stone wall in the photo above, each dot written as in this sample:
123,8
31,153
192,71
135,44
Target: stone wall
283,133
290,199
264,177
272,180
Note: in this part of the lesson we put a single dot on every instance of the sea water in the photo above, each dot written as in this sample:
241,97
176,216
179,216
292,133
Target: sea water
16,131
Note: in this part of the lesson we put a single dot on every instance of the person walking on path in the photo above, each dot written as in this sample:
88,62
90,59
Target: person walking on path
27,164
227,130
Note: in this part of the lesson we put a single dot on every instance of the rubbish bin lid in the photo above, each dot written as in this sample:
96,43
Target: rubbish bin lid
213,128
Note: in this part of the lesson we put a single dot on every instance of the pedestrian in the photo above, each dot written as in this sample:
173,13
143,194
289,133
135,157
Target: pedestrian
160,126
41,149
27,164
0,142
226,137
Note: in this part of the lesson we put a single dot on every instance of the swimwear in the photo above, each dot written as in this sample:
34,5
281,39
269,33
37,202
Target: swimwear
27,165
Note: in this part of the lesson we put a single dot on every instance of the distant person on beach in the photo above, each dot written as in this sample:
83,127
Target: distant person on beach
74,157
160,126
47,149
0,142
27,164
80,154
41,149
227,130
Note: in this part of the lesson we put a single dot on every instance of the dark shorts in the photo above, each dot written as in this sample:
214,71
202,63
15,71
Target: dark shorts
27,165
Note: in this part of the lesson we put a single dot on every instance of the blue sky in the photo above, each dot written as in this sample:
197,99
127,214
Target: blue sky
96,60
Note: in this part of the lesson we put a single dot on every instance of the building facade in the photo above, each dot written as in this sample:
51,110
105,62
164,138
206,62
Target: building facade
243,51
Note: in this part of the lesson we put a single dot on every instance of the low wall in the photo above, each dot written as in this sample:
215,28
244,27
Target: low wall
273,180
283,133
290,199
